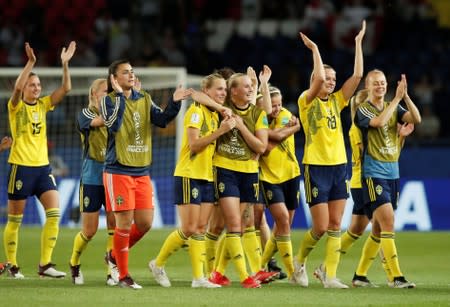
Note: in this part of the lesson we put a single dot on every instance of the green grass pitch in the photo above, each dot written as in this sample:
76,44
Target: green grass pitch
424,259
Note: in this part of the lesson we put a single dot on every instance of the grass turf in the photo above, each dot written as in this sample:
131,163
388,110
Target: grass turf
424,259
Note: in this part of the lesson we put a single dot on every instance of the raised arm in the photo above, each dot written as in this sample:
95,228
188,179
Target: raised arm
23,77
413,114
383,118
318,75
349,87
252,75
264,77
66,86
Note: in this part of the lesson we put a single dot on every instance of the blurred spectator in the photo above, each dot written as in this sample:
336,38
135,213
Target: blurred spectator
119,40
423,91
430,125
59,167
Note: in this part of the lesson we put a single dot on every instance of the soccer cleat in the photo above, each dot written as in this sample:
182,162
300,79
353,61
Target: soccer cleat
320,273
49,270
334,283
110,281
250,282
114,270
77,275
401,282
359,281
128,282
265,277
159,274
14,271
204,283
273,267
219,279
300,276
2,268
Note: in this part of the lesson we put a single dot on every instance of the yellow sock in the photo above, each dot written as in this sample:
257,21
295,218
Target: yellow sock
197,253
284,245
332,252
251,249
79,245
234,246
386,268
11,237
220,249
369,252
258,237
347,240
308,243
172,243
210,251
390,252
269,250
49,235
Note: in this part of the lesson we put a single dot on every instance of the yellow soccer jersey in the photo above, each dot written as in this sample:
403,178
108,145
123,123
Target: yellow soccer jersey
29,132
280,164
355,143
321,121
231,151
197,166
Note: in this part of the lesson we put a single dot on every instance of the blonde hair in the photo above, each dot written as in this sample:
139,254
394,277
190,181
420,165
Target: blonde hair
233,80
325,66
207,82
356,101
274,91
372,72
93,88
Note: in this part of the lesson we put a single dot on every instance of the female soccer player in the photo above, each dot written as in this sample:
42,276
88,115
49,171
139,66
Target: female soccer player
236,162
280,179
129,115
93,134
361,214
378,120
30,172
325,161
194,183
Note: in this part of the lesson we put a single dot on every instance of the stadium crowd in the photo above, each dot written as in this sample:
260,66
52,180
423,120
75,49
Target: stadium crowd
204,35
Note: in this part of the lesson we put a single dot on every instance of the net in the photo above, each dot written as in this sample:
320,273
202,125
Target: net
64,140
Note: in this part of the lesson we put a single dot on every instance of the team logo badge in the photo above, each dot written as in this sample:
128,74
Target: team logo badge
269,194
19,185
119,200
86,201
194,193
315,192
234,133
195,118
35,116
379,189
221,187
